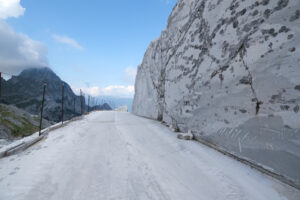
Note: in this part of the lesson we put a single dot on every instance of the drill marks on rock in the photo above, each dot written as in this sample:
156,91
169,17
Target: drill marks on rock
200,52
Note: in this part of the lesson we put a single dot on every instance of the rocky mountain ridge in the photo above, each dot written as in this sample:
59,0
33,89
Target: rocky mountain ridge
25,91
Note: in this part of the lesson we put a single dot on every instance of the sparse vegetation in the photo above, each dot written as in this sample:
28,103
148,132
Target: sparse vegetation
16,123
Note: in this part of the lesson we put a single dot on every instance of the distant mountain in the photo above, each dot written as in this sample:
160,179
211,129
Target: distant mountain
25,91
105,106
116,102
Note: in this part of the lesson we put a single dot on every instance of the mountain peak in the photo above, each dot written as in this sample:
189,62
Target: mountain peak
44,73
25,91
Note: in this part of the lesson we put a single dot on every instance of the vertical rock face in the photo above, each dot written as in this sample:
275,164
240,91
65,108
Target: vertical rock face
229,71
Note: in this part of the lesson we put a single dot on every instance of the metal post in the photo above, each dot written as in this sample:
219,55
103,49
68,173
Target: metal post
81,102
0,84
62,104
88,103
74,104
42,108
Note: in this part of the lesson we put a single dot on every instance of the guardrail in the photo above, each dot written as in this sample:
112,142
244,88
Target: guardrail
23,145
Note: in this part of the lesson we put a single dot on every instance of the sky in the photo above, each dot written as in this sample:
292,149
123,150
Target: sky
95,45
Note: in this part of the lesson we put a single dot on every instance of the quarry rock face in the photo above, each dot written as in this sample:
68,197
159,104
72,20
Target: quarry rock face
229,71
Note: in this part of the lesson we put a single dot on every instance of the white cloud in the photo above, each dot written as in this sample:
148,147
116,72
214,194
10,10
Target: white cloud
113,90
68,41
93,91
129,75
18,51
118,90
10,8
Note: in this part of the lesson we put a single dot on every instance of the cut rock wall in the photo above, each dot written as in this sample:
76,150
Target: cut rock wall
229,71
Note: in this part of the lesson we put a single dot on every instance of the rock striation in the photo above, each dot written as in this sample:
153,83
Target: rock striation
228,70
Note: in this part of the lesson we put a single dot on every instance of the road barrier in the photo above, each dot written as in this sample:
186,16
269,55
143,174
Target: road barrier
14,149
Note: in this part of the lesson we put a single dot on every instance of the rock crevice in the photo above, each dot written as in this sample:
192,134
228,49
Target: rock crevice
227,70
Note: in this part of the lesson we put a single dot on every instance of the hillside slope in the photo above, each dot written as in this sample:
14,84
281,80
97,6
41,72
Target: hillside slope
16,123
229,71
25,91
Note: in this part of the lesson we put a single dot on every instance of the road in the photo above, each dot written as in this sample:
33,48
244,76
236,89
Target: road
116,155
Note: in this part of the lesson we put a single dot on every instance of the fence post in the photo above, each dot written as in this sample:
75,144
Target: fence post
88,103
62,104
81,102
0,84
42,108
74,105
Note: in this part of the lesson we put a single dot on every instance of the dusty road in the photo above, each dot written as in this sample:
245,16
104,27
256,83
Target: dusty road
116,155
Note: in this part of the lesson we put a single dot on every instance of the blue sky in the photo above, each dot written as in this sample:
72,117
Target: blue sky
91,44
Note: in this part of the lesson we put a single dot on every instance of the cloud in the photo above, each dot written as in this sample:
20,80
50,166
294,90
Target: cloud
10,8
129,75
113,90
18,51
68,41
93,91
118,90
